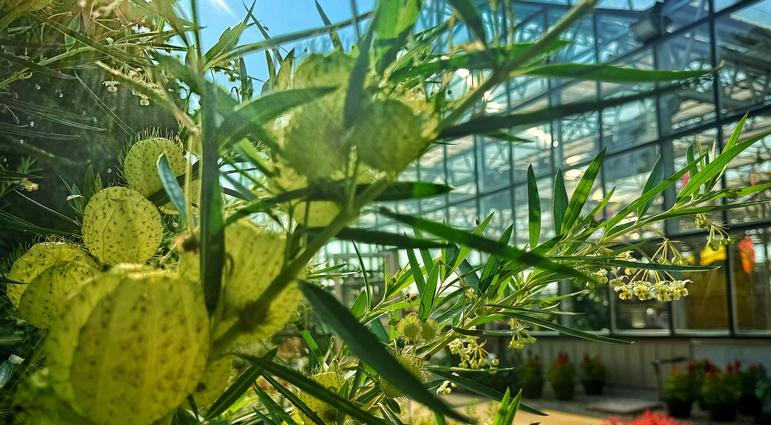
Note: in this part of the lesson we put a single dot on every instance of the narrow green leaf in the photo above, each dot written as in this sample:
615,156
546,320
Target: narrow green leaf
236,390
559,201
428,295
564,329
736,133
534,208
581,194
355,98
609,73
653,179
417,271
259,111
657,266
212,258
292,397
276,412
313,388
481,389
403,190
171,186
489,246
394,25
228,40
716,167
376,237
367,284
366,346
471,16
110,51
35,67
332,32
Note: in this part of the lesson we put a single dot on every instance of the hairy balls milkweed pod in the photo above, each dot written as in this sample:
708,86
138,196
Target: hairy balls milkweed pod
130,346
121,226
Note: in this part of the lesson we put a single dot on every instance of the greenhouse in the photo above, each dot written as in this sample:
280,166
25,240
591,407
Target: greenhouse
385,212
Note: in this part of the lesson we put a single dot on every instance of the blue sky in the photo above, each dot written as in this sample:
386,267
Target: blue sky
279,16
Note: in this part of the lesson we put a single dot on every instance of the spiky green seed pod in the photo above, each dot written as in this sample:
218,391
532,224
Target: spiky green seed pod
313,139
44,297
141,349
42,256
429,330
121,226
390,136
331,381
139,165
214,381
410,327
255,258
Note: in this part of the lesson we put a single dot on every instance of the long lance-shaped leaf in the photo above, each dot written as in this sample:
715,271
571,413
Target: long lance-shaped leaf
34,66
490,123
332,32
578,200
259,111
646,197
563,329
428,295
212,257
376,237
228,39
481,389
313,388
609,73
658,266
236,389
471,16
363,344
276,41
533,208
170,185
114,53
717,166
394,25
292,397
559,201
487,245
653,179
355,98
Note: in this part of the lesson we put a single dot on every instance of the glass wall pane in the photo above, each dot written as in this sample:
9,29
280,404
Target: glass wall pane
752,280
677,14
627,173
694,104
706,306
613,36
499,204
431,166
463,215
592,308
495,158
578,135
536,152
742,46
461,168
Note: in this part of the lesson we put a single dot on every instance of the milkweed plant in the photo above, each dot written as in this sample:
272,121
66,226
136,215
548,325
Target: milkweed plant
190,266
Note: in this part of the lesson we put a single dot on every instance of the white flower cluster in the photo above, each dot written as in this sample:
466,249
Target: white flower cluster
472,354
717,235
446,387
645,284
521,337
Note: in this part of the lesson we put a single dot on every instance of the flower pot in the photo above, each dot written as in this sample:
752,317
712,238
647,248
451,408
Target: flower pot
750,405
702,404
723,412
679,408
593,387
564,392
532,389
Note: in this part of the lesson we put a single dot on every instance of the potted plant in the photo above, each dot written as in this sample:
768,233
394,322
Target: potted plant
592,375
698,369
680,392
720,392
562,377
749,402
532,378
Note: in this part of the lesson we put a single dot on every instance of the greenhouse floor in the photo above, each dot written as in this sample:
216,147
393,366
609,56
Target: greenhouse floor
581,411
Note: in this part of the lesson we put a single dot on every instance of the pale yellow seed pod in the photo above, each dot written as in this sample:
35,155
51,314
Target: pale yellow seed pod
121,226
139,165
